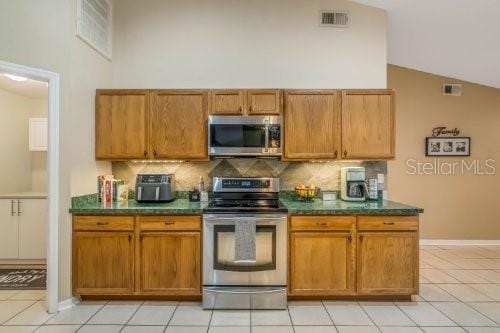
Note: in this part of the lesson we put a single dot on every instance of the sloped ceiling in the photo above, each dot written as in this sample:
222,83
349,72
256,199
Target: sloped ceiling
454,38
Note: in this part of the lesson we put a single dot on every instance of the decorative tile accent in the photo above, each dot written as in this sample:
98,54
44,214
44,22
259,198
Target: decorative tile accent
325,175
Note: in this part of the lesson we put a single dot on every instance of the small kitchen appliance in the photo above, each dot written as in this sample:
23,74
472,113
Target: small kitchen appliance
232,282
244,135
352,184
154,188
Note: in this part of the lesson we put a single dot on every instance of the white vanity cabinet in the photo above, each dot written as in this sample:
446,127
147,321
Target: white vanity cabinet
23,228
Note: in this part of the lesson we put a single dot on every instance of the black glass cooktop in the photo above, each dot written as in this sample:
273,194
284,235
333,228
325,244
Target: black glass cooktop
232,206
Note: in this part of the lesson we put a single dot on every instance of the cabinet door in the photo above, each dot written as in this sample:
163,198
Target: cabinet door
103,263
321,263
170,263
121,124
9,229
263,101
368,124
224,102
179,124
33,221
38,134
387,263
312,129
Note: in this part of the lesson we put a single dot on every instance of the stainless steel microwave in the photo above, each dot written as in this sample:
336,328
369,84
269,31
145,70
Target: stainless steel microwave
245,135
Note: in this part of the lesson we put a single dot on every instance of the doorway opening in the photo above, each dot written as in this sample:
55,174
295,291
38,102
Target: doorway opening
29,133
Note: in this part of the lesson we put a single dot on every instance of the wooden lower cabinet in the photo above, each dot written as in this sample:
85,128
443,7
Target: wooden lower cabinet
103,262
329,256
387,263
353,256
321,264
170,263
137,255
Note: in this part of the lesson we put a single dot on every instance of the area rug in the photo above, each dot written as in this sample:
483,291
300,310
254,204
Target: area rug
23,278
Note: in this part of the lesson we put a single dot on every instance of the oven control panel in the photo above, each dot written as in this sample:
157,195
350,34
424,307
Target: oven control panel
245,183
242,184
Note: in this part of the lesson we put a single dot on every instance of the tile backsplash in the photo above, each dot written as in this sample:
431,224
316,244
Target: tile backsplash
325,175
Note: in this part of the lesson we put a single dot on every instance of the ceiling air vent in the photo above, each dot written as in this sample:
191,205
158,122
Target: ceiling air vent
94,24
452,89
335,19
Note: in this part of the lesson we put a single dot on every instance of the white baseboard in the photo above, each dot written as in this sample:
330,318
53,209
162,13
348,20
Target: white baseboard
460,242
68,303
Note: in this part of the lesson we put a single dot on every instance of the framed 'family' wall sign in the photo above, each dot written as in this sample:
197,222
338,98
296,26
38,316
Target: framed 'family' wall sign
453,145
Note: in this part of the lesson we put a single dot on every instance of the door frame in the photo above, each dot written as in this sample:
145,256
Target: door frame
53,82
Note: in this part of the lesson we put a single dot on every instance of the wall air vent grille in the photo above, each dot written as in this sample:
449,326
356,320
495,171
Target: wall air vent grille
336,19
452,89
94,24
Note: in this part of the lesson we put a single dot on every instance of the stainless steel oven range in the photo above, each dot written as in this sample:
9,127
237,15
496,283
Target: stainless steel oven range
228,281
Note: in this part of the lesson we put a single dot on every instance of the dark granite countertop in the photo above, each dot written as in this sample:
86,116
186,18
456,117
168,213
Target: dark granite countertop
340,207
88,205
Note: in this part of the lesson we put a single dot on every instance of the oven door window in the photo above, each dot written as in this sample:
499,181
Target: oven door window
229,135
265,247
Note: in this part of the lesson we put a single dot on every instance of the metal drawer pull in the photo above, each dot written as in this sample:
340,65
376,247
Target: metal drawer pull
323,224
169,223
102,223
388,223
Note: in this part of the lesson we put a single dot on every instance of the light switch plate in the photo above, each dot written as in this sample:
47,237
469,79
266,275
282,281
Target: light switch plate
380,178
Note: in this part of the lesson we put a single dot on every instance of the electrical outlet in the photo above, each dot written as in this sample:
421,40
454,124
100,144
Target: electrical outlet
380,178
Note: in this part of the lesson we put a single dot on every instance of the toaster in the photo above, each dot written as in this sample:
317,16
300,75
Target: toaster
154,188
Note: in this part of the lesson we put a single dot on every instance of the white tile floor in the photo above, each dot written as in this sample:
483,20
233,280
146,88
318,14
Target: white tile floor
459,292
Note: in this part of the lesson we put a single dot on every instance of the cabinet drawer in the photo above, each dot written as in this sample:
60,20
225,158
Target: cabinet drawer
103,223
396,223
161,223
318,223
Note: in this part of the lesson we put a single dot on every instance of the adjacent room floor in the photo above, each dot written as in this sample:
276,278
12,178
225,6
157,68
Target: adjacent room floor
459,292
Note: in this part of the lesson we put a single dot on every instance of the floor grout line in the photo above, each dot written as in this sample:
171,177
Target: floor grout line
92,316
328,313
132,316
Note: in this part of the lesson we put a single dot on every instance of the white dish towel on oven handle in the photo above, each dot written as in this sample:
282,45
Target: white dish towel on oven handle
245,239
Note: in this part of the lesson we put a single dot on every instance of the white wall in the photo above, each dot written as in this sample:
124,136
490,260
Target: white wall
259,43
42,34
15,170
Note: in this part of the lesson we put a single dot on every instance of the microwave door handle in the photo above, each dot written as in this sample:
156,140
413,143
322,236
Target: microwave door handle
266,122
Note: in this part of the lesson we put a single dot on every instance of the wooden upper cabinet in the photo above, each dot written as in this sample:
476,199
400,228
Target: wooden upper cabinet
103,262
263,102
387,263
121,124
368,124
312,125
227,102
322,263
170,263
179,124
